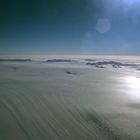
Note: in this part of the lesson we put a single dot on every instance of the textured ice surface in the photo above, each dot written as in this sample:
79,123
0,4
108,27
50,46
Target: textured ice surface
69,101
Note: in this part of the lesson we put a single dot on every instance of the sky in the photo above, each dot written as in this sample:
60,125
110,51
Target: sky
70,26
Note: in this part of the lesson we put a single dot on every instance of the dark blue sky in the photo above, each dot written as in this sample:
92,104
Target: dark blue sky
70,26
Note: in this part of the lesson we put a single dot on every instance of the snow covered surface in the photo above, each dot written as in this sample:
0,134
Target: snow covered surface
69,97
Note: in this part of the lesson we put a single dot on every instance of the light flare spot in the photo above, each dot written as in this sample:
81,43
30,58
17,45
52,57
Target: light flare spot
103,25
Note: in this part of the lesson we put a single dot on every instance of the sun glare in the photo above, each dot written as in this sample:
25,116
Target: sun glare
129,2
133,85
134,82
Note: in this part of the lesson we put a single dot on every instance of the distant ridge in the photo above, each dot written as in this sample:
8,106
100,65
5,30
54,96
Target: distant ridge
59,60
15,60
114,64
